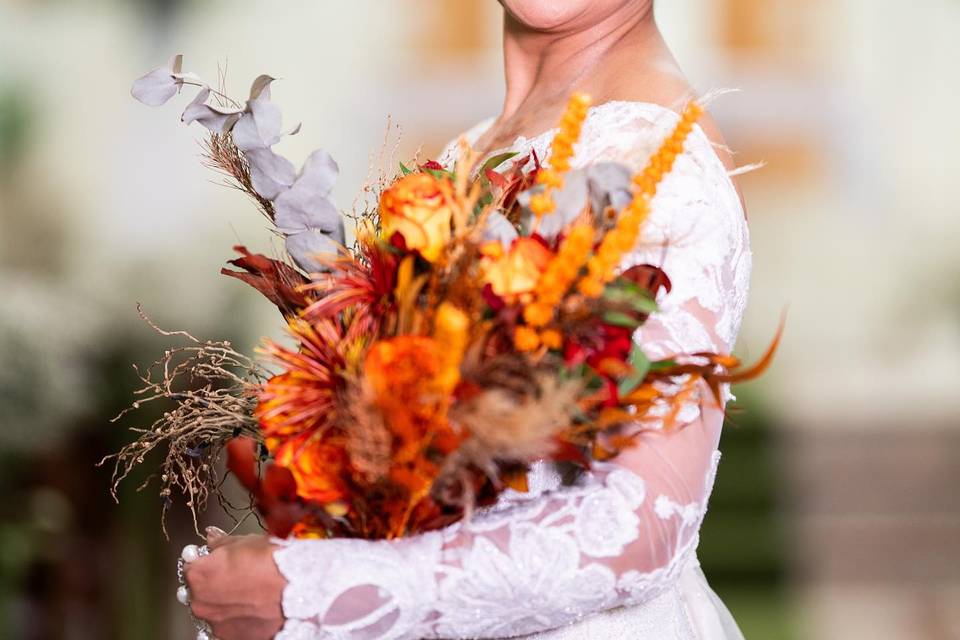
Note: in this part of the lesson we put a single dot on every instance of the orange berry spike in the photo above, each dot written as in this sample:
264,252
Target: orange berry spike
561,152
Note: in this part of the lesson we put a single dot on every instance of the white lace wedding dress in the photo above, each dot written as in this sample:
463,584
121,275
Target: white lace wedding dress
615,555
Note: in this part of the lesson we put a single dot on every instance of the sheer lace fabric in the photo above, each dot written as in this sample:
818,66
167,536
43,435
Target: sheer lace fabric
624,535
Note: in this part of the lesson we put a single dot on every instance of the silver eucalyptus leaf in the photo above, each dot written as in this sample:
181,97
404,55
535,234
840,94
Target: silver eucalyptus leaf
499,228
259,84
216,119
270,173
176,64
308,246
610,185
158,86
570,201
306,204
261,127
155,88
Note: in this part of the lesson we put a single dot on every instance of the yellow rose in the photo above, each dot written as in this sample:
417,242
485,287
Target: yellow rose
518,270
418,206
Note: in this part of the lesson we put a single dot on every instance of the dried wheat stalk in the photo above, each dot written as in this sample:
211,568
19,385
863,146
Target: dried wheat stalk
222,155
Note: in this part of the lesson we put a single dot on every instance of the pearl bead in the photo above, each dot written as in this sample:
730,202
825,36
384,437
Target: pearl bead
183,595
190,553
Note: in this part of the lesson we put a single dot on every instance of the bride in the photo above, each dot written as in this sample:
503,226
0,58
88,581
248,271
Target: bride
614,555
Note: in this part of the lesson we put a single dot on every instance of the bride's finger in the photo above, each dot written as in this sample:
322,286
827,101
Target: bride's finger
216,537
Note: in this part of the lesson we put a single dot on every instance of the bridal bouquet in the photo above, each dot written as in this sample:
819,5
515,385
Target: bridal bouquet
479,322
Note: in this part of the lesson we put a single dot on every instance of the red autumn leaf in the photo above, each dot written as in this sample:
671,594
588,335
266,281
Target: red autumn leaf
275,495
277,281
496,179
649,277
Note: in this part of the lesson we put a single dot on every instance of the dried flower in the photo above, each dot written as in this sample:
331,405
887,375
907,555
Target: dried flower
302,398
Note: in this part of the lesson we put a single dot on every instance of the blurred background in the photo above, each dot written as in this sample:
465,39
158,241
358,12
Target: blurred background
836,513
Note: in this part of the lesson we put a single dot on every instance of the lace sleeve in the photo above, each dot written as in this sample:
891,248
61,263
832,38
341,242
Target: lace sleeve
547,558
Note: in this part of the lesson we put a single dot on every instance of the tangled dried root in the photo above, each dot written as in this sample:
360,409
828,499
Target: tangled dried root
212,390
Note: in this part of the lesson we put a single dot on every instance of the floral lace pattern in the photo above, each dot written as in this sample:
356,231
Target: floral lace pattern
620,535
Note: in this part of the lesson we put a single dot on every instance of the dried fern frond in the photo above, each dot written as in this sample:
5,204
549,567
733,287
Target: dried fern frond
212,390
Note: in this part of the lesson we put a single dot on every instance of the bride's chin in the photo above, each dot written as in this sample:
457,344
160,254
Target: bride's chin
560,15
545,15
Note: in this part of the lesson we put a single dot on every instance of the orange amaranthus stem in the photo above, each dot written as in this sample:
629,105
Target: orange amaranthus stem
560,273
602,266
561,152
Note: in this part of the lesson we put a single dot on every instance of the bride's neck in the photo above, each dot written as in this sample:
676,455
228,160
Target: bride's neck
545,67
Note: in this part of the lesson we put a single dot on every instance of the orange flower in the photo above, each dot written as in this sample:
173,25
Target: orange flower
317,465
302,398
551,338
526,338
403,366
408,377
518,270
418,206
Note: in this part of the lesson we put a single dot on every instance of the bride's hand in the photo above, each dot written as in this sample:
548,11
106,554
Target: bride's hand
237,587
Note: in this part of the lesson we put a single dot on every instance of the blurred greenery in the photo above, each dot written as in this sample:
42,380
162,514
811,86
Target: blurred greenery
15,120
742,543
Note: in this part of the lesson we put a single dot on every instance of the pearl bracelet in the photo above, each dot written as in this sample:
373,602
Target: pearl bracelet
190,553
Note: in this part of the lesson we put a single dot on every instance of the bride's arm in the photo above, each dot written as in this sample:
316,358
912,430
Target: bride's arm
541,563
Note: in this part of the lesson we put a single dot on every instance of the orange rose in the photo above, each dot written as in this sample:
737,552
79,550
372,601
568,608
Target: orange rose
418,206
316,465
518,270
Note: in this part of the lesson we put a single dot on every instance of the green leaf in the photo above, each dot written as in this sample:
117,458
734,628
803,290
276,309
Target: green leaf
644,304
438,174
496,161
662,364
641,366
404,170
572,373
620,319
632,295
